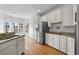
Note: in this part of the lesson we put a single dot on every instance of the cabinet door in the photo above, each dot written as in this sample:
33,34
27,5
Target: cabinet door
58,15
56,41
51,17
10,50
63,43
1,52
9,47
70,46
49,39
21,45
67,15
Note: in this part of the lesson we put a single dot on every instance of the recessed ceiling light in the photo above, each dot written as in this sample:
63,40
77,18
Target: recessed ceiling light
38,10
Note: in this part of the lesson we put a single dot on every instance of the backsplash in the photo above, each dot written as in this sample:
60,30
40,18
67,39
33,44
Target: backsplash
69,29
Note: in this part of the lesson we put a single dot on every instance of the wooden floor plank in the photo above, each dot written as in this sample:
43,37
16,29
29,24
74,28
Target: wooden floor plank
33,48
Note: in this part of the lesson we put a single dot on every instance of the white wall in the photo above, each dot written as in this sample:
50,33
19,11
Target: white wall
24,22
1,21
32,26
11,19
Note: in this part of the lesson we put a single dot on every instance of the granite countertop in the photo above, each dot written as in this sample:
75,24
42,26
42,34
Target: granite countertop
5,40
59,33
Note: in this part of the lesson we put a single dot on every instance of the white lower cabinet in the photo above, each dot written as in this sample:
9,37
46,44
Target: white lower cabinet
12,50
63,40
1,53
49,40
56,41
9,47
52,40
70,46
21,45
63,43
13,47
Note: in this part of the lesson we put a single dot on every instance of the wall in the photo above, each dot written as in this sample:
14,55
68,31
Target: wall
24,22
1,22
11,19
69,29
32,26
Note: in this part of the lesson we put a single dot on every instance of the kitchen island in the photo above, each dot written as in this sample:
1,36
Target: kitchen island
12,46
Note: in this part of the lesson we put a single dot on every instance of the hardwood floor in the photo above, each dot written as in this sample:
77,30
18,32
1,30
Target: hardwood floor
33,48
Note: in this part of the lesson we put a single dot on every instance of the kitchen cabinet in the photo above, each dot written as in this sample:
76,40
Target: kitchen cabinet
56,41
1,53
10,50
21,45
51,17
54,16
62,44
52,40
44,18
12,46
49,40
58,15
68,15
70,46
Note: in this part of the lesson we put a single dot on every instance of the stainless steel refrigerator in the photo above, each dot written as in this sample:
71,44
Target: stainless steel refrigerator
42,28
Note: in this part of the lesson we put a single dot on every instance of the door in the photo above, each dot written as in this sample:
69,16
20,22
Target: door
63,43
70,46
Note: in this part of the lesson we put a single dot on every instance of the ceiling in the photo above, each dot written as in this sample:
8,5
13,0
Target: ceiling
25,10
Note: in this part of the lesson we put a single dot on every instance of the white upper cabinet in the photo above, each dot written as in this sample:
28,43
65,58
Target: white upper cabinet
58,15
44,18
68,15
51,17
70,46
55,16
